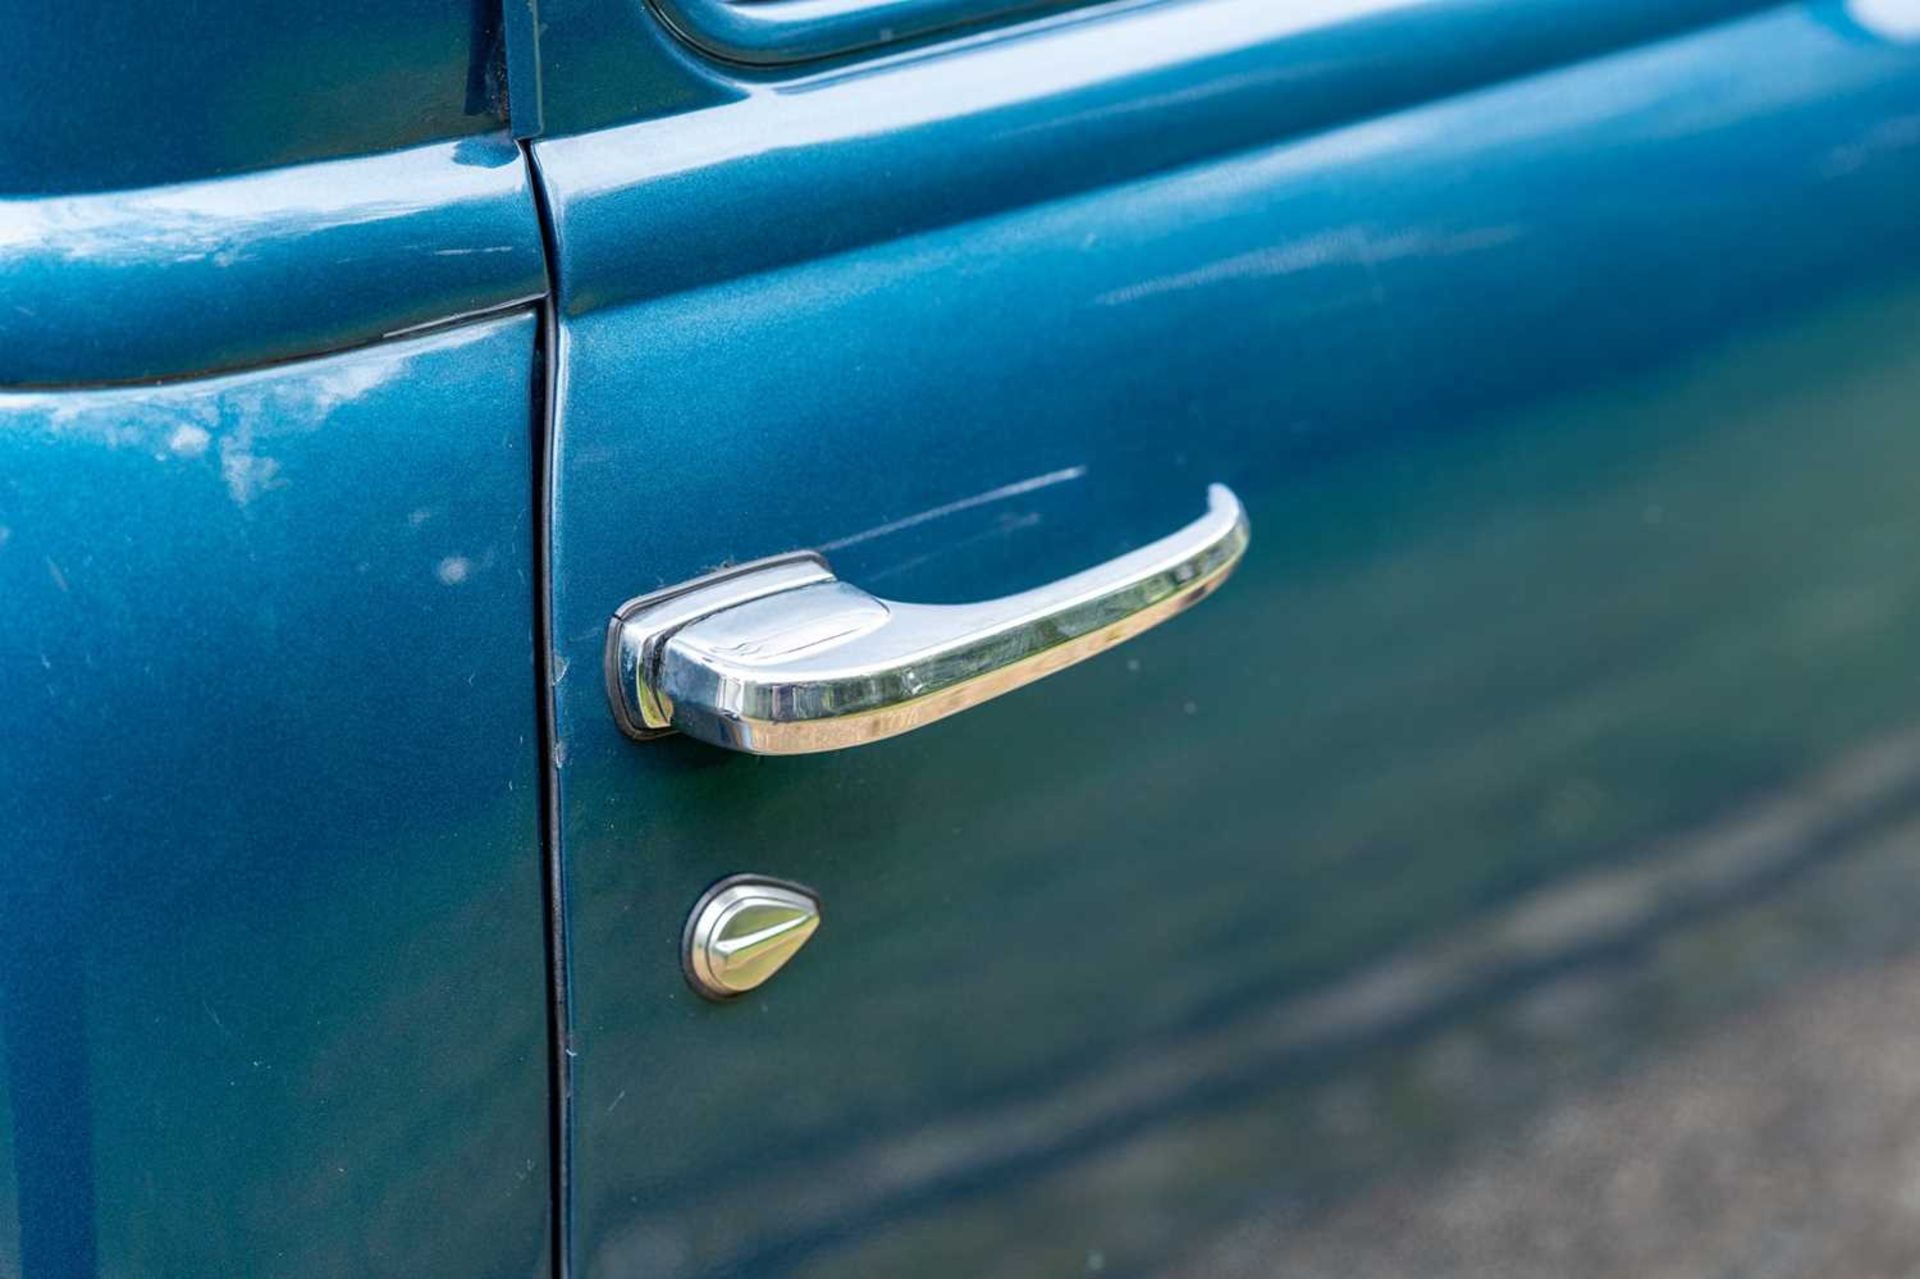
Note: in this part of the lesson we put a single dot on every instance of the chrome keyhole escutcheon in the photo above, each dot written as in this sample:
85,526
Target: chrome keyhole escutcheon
743,930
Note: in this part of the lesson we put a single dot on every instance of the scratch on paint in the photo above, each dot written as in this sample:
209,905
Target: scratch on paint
215,1018
964,504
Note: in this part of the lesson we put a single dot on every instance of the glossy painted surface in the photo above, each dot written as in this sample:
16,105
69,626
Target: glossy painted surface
102,94
1176,79
272,979
1571,670
785,172
780,31
166,281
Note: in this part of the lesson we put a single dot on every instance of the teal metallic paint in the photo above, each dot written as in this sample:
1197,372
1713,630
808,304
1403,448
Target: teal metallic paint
101,95
1569,412
167,281
1575,417
272,981
781,173
773,32
1173,80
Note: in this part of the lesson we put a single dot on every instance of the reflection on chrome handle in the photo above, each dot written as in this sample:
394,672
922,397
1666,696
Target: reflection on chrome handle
782,658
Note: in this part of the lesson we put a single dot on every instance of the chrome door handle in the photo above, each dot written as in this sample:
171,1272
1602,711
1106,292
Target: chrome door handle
780,657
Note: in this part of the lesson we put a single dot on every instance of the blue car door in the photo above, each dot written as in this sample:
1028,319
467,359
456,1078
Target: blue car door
273,995
1497,875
